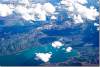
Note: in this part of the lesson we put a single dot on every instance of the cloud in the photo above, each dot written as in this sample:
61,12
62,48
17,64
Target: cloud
28,11
82,1
5,10
39,11
45,57
24,13
68,49
53,17
40,1
97,25
57,44
88,13
27,2
21,9
78,19
78,11
49,8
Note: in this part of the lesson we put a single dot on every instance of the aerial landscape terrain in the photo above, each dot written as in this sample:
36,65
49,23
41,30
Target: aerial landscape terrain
49,32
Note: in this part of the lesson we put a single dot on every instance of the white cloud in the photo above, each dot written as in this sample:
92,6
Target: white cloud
24,2
53,17
24,12
28,11
27,17
42,16
45,57
40,1
48,7
79,12
71,9
38,8
96,24
89,13
98,28
63,2
21,9
67,2
78,19
82,1
39,11
57,44
68,49
5,10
